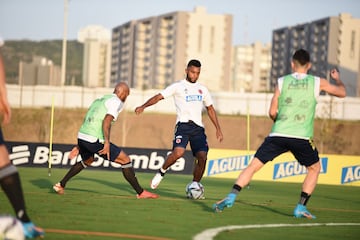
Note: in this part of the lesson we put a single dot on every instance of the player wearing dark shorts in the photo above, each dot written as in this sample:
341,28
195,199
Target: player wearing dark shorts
292,109
94,138
190,97
190,132
10,181
302,149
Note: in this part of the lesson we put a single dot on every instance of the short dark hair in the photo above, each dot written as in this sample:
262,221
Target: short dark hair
301,56
194,62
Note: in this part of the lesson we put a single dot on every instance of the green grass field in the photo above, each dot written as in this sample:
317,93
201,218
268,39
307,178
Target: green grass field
101,205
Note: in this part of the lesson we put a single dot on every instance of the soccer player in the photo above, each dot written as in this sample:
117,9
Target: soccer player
189,97
293,110
94,137
9,176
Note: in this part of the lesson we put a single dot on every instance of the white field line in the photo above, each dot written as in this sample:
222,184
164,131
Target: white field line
209,234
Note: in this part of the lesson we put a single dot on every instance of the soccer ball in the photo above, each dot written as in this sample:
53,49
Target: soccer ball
11,228
195,190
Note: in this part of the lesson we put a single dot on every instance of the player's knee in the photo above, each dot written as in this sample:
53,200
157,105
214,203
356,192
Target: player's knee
201,161
177,154
315,168
87,162
127,165
122,158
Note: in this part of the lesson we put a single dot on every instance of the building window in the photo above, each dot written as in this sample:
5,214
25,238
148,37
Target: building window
352,44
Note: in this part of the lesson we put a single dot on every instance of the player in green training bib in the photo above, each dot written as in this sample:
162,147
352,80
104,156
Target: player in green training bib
293,110
94,138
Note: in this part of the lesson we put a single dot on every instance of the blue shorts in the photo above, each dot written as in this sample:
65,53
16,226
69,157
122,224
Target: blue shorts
303,150
88,149
190,132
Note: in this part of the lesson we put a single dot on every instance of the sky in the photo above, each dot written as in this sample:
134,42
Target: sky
253,20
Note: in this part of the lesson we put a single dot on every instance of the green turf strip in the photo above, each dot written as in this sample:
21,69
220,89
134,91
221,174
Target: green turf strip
101,205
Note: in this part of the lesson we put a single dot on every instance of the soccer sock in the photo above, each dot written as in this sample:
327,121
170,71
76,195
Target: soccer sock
129,175
236,189
162,171
304,198
11,185
75,169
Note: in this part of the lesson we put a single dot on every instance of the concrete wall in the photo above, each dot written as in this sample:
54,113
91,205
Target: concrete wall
256,104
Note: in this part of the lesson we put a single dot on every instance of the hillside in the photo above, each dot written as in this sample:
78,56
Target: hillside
151,130
25,50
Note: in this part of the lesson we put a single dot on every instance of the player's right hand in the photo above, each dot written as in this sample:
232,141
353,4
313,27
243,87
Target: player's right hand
139,110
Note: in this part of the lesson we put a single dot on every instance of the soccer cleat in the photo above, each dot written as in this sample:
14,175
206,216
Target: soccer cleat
156,181
301,211
58,188
31,231
226,202
146,194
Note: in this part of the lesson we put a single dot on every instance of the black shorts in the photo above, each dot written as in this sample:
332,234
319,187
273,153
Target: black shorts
2,141
303,150
190,132
88,149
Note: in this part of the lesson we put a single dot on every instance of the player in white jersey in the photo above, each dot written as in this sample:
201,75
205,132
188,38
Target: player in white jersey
190,97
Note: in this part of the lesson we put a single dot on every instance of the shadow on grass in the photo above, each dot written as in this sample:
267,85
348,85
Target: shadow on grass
45,183
266,206
42,183
169,193
121,184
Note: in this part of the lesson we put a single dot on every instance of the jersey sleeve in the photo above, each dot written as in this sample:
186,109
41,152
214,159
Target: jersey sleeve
169,91
317,86
280,83
207,98
114,106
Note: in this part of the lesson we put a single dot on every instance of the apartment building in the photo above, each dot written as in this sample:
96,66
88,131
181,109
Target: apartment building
251,66
151,53
97,55
40,71
332,42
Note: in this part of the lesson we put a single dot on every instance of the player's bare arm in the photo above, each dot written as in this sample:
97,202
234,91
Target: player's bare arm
4,104
338,89
148,103
273,110
106,130
214,119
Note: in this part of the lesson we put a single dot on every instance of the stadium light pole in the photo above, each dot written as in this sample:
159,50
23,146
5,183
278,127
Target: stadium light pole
63,60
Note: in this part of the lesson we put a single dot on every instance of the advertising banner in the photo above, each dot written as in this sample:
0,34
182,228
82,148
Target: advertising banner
335,169
144,160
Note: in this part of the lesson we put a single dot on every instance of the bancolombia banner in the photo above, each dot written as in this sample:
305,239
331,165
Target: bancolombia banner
144,160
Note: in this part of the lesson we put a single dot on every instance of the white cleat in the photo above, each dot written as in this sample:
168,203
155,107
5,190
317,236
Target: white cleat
156,181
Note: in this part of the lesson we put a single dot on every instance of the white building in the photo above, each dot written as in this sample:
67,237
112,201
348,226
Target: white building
153,52
251,65
97,55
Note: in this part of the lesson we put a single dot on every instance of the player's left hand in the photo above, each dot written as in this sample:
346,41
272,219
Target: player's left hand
74,152
106,150
219,136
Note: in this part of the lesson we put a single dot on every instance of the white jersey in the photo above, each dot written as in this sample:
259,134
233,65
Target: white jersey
189,98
